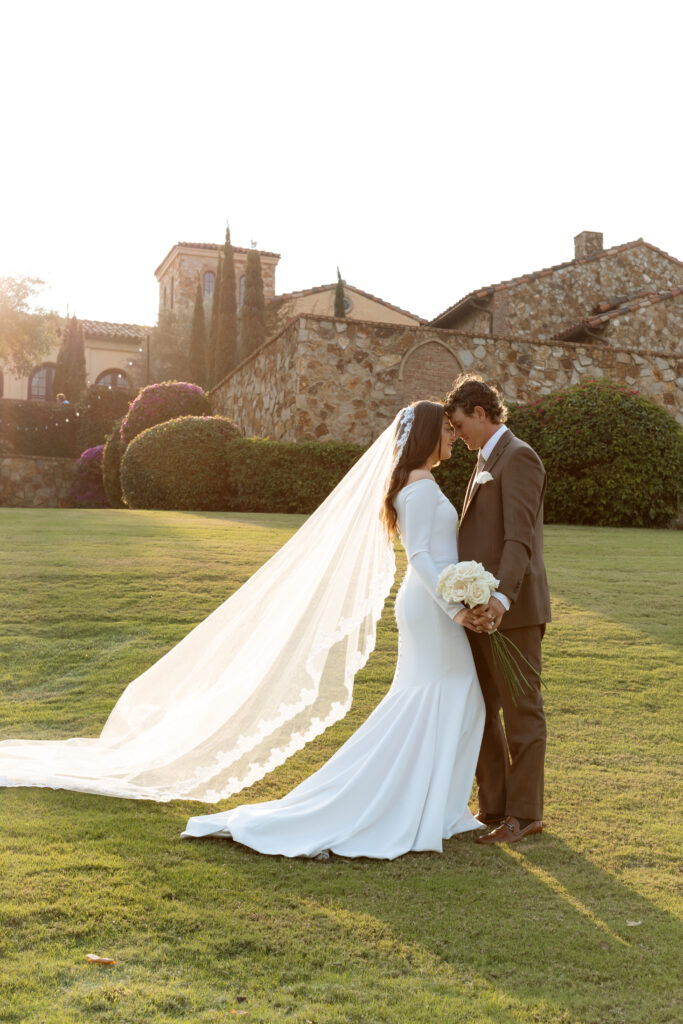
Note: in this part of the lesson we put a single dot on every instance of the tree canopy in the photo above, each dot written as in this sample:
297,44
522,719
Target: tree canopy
253,312
27,332
70,375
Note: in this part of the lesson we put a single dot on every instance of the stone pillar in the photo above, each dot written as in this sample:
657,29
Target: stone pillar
587,243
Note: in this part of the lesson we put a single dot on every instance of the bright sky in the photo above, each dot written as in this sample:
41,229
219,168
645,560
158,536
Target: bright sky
426,148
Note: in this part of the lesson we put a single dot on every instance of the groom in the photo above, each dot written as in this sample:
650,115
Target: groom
501,526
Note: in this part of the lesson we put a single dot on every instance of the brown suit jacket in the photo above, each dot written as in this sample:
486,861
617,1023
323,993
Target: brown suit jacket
501,526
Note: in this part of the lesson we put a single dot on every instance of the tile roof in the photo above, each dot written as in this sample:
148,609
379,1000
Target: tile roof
351,288
608,310
482,293
104,329
215,246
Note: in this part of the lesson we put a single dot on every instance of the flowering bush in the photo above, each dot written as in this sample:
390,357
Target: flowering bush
613,457
158,403
180,464
88,488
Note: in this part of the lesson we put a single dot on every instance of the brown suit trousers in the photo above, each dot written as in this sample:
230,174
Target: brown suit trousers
502,527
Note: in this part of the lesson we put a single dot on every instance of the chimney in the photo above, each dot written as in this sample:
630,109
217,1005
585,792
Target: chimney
587,243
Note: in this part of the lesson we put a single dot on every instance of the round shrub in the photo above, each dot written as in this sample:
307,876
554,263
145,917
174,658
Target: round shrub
613,457
88,488
111,466
180,464
158,403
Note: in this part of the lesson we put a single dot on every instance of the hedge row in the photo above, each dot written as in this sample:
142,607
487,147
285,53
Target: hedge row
613,458
48,428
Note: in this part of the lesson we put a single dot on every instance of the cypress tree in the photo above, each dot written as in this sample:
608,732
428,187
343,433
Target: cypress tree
70,377
198,341
253,316
339,297
226,334
211,378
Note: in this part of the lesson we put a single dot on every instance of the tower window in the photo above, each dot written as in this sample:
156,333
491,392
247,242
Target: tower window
209,282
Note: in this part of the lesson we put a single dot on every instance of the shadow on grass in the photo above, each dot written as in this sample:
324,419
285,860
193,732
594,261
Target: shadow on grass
531,924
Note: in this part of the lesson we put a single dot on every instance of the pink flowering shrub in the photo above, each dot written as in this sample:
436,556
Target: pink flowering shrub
87,490
158,403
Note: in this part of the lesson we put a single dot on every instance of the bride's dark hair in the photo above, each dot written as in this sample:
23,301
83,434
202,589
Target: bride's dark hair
424,436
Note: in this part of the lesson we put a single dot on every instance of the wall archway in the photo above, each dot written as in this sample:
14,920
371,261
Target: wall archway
427,370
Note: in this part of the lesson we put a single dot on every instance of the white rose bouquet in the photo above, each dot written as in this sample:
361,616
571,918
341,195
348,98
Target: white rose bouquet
471,584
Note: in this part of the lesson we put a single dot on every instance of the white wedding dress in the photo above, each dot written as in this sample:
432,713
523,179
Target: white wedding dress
402,781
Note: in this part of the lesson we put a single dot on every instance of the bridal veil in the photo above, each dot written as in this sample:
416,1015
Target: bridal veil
264,674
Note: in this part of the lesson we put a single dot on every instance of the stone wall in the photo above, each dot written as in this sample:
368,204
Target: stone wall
261,395
327,379
32,481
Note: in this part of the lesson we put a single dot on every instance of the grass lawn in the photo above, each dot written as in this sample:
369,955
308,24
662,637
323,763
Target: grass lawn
580,924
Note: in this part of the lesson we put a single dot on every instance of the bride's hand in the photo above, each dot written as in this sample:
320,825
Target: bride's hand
466,618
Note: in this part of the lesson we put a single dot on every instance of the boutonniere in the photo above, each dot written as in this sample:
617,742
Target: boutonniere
483,477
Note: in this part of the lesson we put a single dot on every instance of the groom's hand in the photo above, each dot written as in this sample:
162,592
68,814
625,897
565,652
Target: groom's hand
489,616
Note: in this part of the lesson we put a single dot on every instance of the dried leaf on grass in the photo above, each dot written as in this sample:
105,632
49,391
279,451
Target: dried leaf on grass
101,961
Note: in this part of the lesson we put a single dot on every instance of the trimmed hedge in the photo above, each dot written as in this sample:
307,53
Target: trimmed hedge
180,464
158,403
613,457
88,489
111,466
61,431
39,428
286,476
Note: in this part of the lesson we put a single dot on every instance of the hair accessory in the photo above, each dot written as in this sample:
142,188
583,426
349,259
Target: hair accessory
405,424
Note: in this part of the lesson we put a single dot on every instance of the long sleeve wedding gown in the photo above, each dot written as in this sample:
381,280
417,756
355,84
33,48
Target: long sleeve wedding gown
403,780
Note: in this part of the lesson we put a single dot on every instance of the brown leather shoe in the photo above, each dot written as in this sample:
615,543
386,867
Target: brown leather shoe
492,820
510,832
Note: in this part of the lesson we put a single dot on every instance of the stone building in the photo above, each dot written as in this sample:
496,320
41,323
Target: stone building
115,356
615,314
548,303
190,262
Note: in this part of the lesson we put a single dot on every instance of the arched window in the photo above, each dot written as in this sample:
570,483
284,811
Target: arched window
2,384
209,282
172,280
113,379
243,281
165,297
40,382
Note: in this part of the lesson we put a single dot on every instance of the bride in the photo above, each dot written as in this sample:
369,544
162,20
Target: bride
274,666
403,779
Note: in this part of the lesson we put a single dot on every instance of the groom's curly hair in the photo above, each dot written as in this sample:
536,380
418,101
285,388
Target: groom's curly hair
469,391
